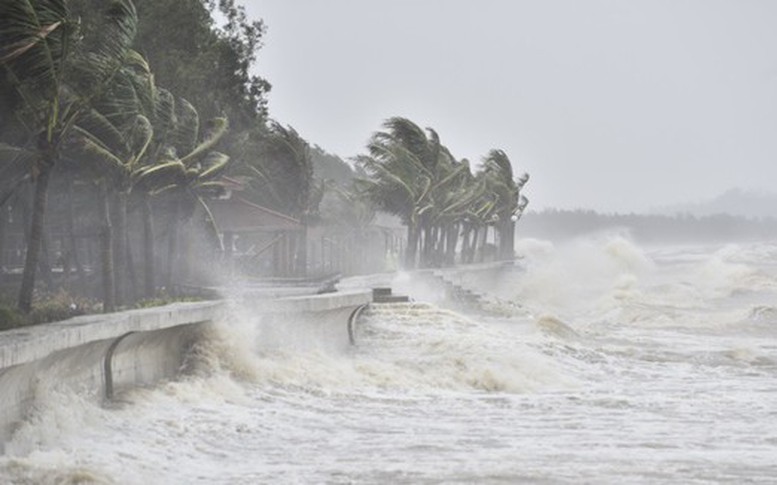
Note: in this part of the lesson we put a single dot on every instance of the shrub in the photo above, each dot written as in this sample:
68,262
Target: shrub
53,307
10,318
47,307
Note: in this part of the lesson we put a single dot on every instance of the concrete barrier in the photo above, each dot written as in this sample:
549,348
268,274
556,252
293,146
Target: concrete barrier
99,355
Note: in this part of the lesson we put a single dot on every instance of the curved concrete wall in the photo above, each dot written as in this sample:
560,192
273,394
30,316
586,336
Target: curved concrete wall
102,354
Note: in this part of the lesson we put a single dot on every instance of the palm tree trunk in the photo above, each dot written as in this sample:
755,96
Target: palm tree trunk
3,225
452,243
132,276
506,239
172,247
411,250
291,252
466,231
44,262
34,241
471,241
71,237
148,248
428,241
302,250
106,252
276,253
440,253
3,221
120,247
480,254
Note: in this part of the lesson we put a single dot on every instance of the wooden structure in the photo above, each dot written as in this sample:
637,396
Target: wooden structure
263,241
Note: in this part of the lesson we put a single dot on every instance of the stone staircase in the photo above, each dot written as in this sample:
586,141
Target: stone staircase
461,298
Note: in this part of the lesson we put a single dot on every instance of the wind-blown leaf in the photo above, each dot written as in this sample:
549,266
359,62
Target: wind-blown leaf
214,165
185,128
218,129
139,138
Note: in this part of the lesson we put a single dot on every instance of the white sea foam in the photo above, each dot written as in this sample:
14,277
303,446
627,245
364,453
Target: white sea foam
629,365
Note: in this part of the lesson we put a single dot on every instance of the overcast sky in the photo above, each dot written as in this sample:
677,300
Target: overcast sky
614,105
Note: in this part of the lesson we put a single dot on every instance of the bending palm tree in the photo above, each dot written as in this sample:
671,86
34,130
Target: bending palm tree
408,169
187,179
508,202
55,79
112,138
282,179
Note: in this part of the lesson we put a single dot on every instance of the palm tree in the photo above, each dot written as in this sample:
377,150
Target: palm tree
113,137
398,180
454,201
477,215
55,74
281,177
508,203
187,172
408,169
163,120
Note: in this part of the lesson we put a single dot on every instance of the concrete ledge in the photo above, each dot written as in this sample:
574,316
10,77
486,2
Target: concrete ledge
27,344
23,345
100,354
317,303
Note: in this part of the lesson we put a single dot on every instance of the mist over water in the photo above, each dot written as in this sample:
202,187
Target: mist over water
600,362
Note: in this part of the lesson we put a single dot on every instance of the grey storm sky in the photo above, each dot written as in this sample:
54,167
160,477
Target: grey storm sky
613,105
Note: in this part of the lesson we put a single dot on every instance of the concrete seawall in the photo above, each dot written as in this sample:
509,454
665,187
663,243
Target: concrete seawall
99,355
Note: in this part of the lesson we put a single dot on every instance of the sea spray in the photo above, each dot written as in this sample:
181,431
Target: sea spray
581,275
420,346
229,345
647,374
56,414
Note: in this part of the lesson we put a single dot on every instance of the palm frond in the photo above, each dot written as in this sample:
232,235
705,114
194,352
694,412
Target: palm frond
185,128
105,50
215,164
218,129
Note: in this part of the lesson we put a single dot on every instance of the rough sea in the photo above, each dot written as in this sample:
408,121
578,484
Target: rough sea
596,361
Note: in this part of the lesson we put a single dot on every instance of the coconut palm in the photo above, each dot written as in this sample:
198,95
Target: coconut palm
55,73
112,137
508,204
187,173
281,177
453,202
399,176
408,172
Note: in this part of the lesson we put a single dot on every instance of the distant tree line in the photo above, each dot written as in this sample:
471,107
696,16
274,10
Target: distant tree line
558,224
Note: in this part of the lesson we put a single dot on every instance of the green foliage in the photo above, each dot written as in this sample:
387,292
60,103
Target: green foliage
281,174
327,166
406,167
347,209
10,317
198,61
48,307
61,305
163,300
408,172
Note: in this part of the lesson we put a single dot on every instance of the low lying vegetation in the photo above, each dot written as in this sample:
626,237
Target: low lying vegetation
49,307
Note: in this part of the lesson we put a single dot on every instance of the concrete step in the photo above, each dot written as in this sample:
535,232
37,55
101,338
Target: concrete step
381,292
383,295
391,299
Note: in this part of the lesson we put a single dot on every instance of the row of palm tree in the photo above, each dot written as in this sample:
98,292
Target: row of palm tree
411,174
81,108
